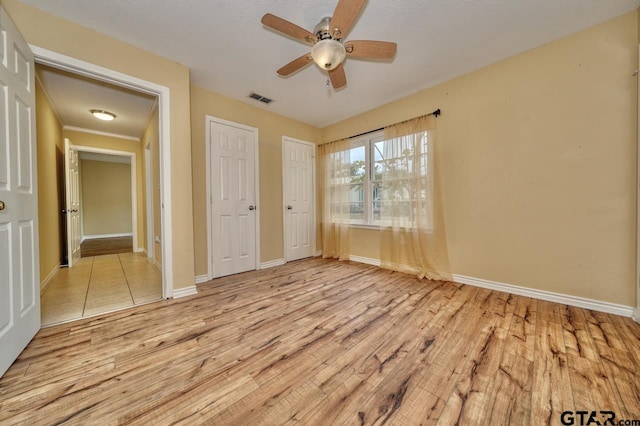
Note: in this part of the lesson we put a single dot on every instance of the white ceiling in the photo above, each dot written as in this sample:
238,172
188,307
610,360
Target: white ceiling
74,96
230,52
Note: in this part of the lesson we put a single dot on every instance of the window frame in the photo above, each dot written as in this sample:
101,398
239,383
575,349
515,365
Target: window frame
369,141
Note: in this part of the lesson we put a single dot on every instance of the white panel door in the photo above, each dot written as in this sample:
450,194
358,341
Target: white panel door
19,267
233,199
72,201
299,199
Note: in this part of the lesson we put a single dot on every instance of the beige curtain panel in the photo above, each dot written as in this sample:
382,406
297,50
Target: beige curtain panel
413,238
398,189
335,198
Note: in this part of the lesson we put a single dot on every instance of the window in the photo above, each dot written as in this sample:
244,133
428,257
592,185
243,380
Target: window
378,180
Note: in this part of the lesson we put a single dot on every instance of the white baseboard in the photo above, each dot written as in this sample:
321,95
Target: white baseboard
96,237
140,250
318,253
201,279
367,260
184,292
48,278
564,299
272,263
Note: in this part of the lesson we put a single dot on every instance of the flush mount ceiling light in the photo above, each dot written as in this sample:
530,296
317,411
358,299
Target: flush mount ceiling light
103,115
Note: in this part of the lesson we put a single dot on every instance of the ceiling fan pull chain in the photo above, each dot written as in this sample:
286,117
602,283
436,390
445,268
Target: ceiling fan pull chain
328,83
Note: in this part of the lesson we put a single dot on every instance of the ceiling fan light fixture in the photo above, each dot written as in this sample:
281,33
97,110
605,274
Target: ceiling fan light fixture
102,114
328,54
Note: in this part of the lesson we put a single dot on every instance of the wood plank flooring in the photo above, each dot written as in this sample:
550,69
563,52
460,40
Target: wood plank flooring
321,342
103,246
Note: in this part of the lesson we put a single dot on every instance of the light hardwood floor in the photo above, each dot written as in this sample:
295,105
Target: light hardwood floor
102,246
322,342
100,284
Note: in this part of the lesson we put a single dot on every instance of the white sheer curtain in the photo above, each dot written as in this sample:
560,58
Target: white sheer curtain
336,201
407,195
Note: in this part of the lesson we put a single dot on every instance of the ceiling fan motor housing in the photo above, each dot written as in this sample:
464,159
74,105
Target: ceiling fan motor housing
322,30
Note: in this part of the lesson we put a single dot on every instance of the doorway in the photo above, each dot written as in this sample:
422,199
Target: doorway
93,144
108,208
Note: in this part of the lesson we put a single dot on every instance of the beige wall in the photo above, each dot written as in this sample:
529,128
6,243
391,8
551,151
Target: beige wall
106,197
537,154
637,313
150,140
538,165
50,155
91,140
271,128
56,34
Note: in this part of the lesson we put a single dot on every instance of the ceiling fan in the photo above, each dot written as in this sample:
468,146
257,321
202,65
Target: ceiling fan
329,51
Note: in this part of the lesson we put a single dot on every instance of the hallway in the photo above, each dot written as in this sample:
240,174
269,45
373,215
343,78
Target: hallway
100,284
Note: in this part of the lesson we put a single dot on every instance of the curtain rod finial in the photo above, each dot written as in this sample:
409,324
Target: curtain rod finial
436,113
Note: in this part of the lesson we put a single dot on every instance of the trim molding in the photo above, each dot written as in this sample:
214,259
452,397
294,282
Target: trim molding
163,93
201,279
48,278
132,157
318,253
98,132
184,292
367,260
97,237
564,299
272,263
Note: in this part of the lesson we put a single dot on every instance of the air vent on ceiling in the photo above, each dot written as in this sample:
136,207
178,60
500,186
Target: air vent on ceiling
260,98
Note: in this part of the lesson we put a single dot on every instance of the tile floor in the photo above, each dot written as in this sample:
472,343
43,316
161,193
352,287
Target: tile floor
100,284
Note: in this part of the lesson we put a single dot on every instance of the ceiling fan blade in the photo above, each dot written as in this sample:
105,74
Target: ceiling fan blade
296,64
370,49
286,27
344,16
337,76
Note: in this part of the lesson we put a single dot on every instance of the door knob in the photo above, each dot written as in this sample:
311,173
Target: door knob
289,207
1,205
252,207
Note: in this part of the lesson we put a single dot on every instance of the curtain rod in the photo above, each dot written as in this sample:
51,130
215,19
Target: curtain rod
435,113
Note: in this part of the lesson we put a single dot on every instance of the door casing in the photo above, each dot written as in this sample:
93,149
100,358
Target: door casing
97,72
134,185
148,189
